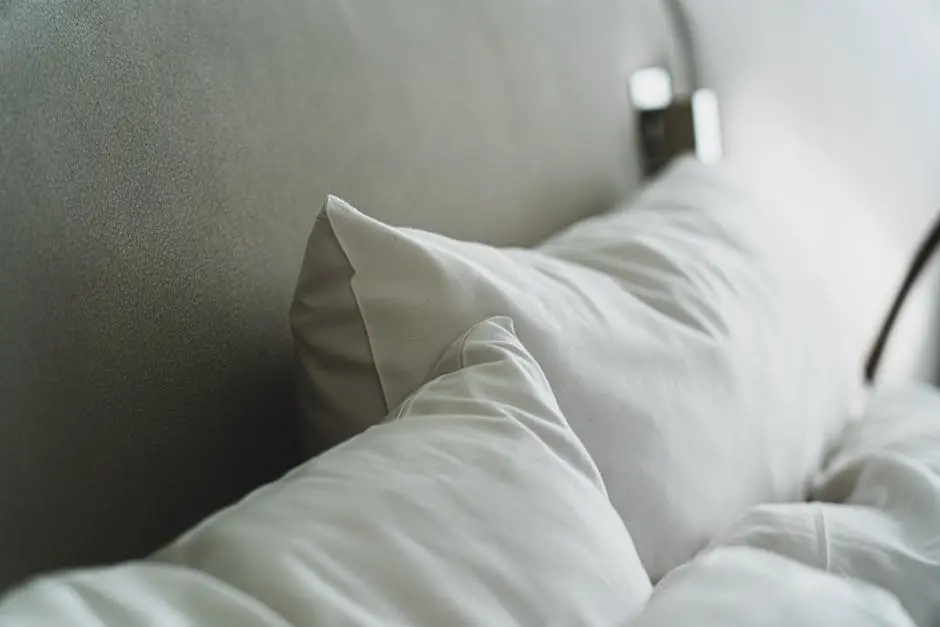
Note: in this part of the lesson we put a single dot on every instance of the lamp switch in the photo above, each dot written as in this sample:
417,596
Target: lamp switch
670,125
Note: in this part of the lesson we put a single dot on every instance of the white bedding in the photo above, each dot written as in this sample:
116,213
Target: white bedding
871,558
731,586
868,553
689,345
879,516
474,504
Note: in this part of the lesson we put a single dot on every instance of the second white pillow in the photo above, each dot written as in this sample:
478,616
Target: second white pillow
474,505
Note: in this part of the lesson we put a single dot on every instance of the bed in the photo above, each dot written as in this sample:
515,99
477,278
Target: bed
237,239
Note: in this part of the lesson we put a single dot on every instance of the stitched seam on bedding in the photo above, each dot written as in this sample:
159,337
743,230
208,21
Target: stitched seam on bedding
461,364
822,537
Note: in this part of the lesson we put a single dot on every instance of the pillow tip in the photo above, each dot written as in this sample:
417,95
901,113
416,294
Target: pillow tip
332,203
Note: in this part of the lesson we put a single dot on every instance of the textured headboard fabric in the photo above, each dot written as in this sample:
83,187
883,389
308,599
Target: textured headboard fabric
161,163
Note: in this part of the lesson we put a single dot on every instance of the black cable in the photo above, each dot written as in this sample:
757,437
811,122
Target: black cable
924,253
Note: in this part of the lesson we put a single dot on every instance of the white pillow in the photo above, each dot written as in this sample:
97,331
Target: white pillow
475,504
880,521
690,349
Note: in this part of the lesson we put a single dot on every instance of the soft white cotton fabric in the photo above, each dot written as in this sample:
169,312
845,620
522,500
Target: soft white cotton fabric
139,594
474,504
745,587
879,516
690,348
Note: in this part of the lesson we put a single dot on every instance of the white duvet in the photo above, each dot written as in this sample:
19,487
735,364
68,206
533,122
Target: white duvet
867,552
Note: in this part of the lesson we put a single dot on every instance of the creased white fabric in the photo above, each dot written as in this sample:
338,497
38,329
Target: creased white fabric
879,516
746,587
474,504
139,594
687,343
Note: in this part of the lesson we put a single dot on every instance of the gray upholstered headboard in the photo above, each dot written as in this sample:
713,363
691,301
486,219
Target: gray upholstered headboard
160,165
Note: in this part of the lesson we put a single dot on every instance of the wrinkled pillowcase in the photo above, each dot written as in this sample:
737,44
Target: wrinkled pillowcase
690,349
474,504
